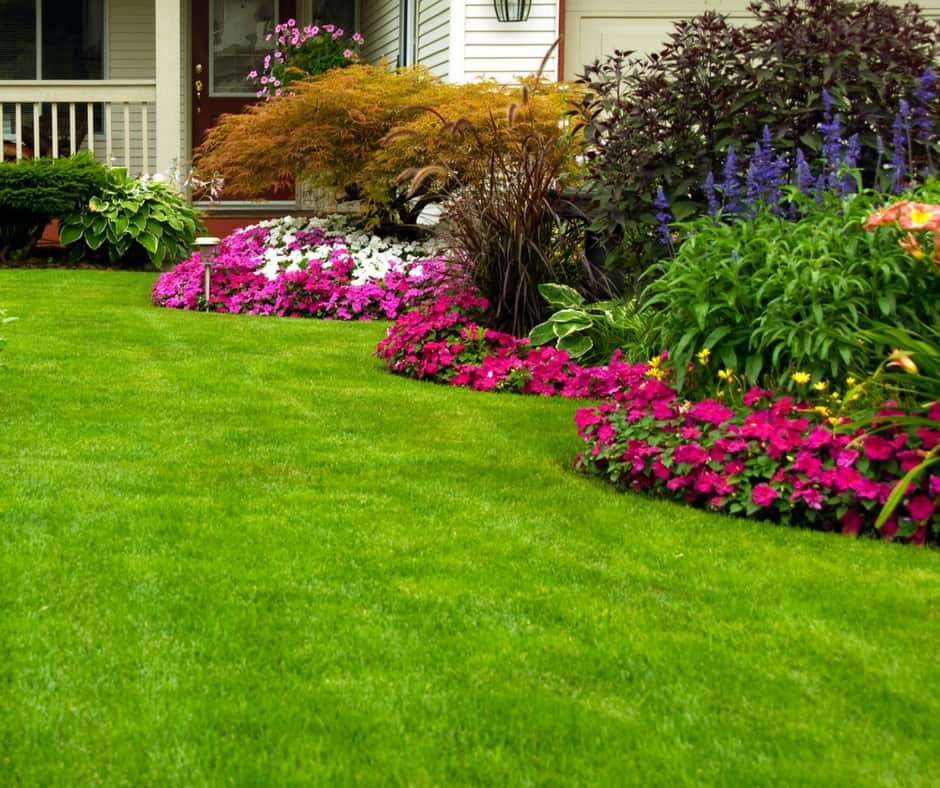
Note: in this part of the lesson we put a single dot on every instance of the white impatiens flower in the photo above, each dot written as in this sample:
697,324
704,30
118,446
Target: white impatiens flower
374,257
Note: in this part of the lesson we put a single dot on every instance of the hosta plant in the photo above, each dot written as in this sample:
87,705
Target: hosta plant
588,331
132,221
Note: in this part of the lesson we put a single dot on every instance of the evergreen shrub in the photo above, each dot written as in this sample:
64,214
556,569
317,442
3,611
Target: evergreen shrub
35,191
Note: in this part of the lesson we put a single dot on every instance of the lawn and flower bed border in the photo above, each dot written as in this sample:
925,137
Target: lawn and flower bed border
775,458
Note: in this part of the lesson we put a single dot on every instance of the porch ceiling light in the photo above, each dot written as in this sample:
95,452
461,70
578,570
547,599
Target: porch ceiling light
206,246
512,10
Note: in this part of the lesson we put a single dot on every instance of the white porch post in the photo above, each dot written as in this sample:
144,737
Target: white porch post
169,103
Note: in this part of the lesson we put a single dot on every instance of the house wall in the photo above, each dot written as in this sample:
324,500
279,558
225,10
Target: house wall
379,28
433,34
504,50
131,55
462,41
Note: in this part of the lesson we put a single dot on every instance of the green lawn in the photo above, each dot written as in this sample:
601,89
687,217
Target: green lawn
235,550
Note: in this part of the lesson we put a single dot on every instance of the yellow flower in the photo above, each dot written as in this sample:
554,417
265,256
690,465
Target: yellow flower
703,356
835,421
821,385
822,410
800,378
835,396
726,374
655,362
850,381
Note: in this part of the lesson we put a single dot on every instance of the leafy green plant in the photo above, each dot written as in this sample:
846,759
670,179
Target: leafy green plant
767,296
589,332
667,119
35,191
132,221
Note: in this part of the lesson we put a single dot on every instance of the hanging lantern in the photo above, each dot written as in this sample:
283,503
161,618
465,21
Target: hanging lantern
512,10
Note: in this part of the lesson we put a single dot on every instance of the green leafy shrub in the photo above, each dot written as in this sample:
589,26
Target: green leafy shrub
589,332
667,119
35,191
132,221
769,296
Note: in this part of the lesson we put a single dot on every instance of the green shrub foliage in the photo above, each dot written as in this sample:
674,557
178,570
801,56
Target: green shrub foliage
132,222
769,296
35,191
668,119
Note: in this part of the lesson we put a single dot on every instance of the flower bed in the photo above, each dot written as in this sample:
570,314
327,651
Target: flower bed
316,268
773,458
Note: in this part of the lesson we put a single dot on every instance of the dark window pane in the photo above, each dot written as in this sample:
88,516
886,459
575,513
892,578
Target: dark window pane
71,40
337,12
18,39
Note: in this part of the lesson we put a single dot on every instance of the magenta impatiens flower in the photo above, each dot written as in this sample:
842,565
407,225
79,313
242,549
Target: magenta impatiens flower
764,495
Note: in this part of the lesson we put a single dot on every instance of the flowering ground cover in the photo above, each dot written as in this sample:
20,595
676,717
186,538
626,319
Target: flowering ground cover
235,551
313,268
773,457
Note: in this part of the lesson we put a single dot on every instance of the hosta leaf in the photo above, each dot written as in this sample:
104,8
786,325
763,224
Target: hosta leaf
573,316
149,241
559,296
542,334
577,345
69,233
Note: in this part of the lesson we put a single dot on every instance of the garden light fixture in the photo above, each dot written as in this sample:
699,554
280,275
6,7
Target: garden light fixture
206,245
512,10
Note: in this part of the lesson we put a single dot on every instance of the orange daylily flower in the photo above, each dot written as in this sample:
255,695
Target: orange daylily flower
912,246
884,216
900,358
917,216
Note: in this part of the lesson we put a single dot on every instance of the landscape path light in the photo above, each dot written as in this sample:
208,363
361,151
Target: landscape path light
206,246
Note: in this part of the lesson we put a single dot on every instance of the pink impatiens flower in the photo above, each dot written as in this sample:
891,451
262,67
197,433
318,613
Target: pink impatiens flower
764,495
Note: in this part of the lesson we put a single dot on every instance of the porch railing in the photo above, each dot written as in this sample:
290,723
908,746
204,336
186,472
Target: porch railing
113,119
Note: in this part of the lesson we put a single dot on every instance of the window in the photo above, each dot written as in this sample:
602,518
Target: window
337,12
52,39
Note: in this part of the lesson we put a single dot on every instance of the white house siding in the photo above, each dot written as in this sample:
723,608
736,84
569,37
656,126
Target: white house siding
505,50
379,28
131,55
594,28
434,36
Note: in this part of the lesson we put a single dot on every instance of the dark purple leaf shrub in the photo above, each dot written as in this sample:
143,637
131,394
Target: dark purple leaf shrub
667,119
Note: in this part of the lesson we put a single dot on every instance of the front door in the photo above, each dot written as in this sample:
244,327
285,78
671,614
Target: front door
229,40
